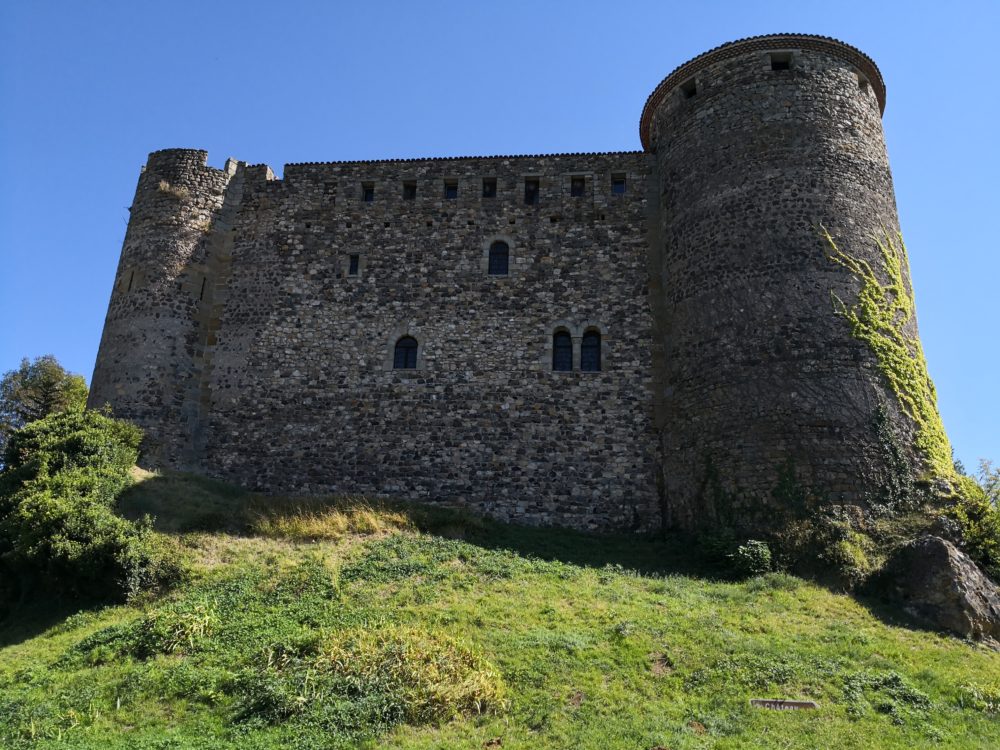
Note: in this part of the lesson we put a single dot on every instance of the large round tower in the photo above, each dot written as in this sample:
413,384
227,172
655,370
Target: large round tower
761,145
149,358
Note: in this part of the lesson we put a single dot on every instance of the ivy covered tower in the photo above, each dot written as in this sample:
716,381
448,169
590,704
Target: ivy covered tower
778,243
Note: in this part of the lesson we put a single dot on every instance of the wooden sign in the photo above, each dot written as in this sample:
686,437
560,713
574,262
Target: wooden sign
782,705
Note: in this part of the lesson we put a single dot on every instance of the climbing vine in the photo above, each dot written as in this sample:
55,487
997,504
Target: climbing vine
879,318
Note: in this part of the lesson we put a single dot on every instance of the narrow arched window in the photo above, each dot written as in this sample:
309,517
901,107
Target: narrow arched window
590,351
499,257
405,357
562,352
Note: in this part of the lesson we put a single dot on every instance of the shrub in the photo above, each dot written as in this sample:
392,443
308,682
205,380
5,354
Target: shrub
829,547
752,558
978,519
57,524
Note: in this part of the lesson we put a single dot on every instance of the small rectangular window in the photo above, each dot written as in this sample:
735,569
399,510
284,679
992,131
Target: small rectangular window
577,185
409,190
368,192
451,189
689,88
618,184
352,267
781,61
489,187
531,191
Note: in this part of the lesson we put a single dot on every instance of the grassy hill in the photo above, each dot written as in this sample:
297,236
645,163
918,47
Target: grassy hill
337,623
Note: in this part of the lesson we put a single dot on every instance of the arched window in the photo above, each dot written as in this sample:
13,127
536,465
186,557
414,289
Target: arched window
590,351
499,256
562,352
405,357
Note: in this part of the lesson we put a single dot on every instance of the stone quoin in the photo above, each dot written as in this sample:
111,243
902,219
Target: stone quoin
598,340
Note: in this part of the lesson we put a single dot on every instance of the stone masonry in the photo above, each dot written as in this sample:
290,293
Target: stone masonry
249,344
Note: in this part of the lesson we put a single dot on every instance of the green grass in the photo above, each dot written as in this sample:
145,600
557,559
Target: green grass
329,623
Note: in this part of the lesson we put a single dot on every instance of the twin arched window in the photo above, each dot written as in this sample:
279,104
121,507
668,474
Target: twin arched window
590,351
405,356
562,352
499,258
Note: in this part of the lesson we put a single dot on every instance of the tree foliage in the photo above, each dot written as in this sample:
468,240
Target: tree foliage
58,528
977,511
34,390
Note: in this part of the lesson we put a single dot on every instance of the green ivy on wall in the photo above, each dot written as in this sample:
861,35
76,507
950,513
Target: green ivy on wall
879,318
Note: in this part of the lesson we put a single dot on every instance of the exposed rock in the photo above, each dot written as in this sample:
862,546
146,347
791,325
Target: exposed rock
938,583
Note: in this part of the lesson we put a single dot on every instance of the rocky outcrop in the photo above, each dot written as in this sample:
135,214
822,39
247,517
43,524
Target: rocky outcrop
936,582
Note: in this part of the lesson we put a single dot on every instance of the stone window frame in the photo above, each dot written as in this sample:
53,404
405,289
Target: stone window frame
405,329
600,347
786,56
362,264
614,177
688,88
535,179
484,260
587,180
576,331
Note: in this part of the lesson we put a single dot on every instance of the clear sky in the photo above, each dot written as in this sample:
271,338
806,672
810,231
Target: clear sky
88,89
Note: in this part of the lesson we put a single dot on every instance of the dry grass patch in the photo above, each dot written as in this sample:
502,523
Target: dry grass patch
313,519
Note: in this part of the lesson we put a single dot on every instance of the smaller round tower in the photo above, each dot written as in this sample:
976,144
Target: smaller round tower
148,362
762,145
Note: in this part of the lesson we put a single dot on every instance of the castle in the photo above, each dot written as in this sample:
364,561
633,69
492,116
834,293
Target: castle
597,340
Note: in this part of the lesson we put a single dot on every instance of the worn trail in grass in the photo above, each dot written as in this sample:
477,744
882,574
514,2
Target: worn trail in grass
319,624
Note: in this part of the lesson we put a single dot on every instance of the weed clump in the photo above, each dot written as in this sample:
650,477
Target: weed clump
887,693
174,191
363,683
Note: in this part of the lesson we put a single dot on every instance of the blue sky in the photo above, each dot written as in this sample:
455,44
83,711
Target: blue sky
88,89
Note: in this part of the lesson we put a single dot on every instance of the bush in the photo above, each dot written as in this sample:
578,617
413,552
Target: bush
752,558
828,546
57,523
978,519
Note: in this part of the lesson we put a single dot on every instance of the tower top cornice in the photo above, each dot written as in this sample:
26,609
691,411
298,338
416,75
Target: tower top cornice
765,42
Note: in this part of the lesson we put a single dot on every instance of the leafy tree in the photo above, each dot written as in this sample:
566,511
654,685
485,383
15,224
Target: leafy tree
58,526
35,390
989,481
977,511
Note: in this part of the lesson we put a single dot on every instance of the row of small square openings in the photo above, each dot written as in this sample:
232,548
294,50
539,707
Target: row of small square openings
498,262
779,61
532,188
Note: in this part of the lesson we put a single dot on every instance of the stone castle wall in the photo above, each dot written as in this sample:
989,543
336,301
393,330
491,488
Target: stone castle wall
304,395
251,352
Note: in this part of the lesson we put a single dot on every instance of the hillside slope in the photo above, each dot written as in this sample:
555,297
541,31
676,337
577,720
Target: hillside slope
336,623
